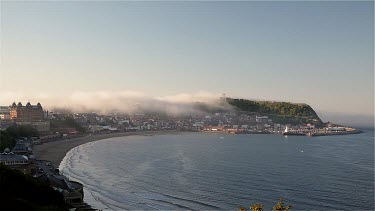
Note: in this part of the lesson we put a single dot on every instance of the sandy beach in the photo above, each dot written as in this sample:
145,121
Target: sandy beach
55,151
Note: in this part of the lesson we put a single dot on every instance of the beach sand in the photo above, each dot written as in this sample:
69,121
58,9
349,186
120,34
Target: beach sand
55,151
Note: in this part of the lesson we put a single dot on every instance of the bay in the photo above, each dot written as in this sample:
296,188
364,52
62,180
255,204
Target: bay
212,171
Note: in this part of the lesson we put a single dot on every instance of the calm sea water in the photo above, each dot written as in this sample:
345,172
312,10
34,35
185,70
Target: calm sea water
202,171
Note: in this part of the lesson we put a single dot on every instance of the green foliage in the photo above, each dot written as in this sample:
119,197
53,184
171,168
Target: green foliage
256,207
68,122
279,112
23,192
6,140
8,136
281,207
259,207
18,131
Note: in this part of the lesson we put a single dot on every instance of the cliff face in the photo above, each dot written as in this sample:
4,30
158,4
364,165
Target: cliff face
279,112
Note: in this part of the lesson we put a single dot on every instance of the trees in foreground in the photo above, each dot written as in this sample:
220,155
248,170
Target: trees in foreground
8,136
20,191
280,206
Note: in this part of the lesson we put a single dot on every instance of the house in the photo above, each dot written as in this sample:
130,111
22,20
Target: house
22,148
261,119
71,190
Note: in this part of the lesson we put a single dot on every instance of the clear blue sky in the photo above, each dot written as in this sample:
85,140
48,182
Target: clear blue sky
320,53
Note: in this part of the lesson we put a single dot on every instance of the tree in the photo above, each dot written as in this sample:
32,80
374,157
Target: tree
6,140
67,122
23,192
259,207
18,131
277,109
8,136
256,207
281,207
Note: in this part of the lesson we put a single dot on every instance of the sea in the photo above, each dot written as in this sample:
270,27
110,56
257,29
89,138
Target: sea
213,171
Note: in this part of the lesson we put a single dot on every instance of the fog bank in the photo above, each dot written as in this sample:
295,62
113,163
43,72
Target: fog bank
107,102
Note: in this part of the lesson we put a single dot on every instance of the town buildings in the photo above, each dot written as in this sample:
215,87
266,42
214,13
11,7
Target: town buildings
16,161
25,115
11,159
28,113
4,112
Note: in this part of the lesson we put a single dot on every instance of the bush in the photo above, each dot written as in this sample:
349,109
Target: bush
23,192
8,136
259,207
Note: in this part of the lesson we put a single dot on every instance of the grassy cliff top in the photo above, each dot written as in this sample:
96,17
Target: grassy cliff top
287,110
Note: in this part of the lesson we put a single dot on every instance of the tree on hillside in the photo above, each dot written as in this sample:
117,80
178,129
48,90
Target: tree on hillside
281,112
68,122
8,136
6,140
23,192
18,131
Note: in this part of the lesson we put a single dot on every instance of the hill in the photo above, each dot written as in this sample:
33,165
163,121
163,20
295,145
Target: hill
23,192
279,112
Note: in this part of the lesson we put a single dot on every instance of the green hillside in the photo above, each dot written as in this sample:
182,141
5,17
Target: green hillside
279,112
19,191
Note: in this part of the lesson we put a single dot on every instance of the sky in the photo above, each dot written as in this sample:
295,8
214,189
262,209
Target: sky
319,53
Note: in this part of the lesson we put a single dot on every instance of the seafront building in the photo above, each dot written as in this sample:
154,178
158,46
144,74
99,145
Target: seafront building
28,113
71,190
13,160
25,115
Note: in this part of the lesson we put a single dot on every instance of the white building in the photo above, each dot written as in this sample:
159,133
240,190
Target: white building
261,119
10,159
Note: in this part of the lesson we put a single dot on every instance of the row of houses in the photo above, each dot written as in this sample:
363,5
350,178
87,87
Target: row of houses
21,158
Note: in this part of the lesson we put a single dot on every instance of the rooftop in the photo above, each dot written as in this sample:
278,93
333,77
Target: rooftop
12,157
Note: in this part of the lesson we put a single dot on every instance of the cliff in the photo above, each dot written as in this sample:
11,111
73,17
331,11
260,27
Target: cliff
279,112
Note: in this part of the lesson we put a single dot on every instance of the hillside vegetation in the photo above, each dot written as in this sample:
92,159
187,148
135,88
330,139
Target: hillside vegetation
8,136
279,112
23,192
68,122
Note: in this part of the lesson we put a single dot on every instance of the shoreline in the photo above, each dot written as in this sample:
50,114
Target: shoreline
55,151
